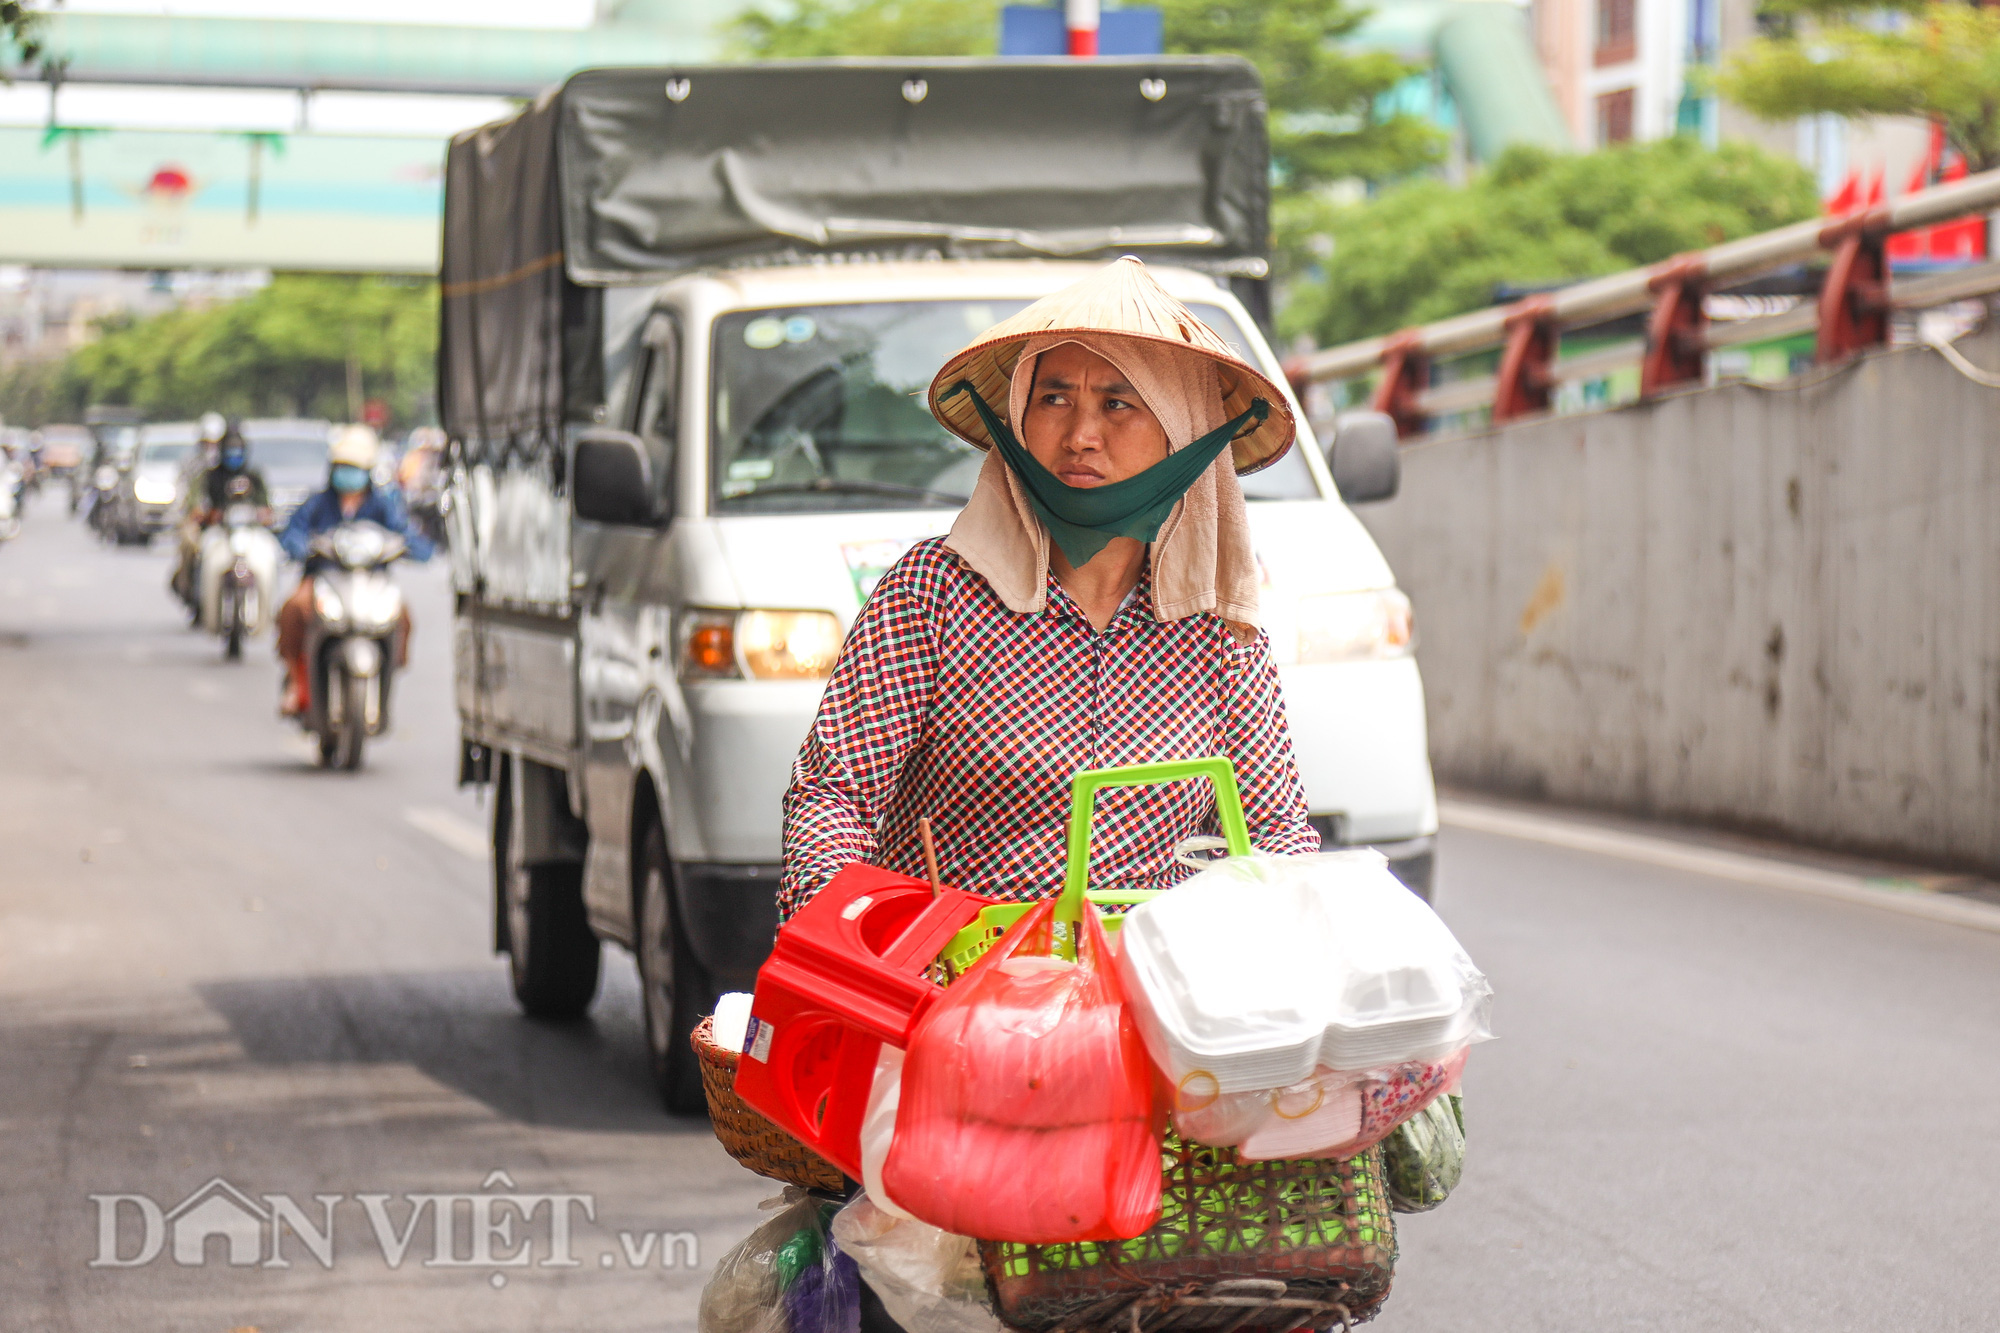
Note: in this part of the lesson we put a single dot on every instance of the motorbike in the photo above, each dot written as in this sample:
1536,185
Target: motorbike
99,500
12,493
350,644
238,570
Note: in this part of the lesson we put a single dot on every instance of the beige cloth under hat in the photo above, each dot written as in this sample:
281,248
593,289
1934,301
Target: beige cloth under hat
1202,560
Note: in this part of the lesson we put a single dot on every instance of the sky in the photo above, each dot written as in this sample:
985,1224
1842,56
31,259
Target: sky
483,13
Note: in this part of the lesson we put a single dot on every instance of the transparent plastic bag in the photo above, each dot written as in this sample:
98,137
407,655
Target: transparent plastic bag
741,1296
1423,1158
787,1276
878,1126
1300,1006
1262,968
1335,1113
929,1281
1027,1109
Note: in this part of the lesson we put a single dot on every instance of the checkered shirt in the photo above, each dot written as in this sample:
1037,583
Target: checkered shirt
945,703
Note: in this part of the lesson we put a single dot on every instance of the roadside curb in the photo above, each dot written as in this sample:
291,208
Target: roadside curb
1889,895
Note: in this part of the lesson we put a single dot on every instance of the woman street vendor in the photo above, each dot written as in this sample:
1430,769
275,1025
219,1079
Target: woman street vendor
1095,604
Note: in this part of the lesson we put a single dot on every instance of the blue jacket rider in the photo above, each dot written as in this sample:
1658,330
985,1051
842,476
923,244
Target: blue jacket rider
350,497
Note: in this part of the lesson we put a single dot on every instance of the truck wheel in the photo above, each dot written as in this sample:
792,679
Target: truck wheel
675,992
552,956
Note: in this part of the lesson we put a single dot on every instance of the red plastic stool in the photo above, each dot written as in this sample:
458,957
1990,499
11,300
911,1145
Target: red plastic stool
846,974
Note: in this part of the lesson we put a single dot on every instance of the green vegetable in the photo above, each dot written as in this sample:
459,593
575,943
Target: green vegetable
796,1255
1425,1155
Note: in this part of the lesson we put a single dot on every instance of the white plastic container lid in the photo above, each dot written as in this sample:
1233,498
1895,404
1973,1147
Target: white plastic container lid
1403,984
1226,977
1400,960
1259,969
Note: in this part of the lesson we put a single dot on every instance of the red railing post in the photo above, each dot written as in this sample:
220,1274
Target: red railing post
1674,331
1406,373
1528,362
1854,298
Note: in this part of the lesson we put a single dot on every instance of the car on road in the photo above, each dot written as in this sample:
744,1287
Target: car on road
151,490
291,453
64,449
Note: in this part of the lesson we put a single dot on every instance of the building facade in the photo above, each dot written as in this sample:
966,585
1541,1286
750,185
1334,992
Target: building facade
1638,69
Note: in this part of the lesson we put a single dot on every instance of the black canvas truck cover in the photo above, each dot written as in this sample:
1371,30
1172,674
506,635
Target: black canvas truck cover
633,175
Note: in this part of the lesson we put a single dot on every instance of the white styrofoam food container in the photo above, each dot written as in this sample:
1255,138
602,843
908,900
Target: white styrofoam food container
1218,992
1261,969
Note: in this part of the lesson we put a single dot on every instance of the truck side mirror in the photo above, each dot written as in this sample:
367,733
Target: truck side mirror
610,479
1365,457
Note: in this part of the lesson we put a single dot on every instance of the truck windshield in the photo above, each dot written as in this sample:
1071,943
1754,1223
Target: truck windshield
288,455
160,453
822,408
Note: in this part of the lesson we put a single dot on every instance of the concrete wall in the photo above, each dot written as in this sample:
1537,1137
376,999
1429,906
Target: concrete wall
1773,608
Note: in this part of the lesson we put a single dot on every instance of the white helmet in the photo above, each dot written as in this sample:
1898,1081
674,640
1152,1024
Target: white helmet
355,446
213,427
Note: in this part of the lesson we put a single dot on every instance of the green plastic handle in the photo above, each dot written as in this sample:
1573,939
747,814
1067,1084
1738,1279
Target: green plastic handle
1083,790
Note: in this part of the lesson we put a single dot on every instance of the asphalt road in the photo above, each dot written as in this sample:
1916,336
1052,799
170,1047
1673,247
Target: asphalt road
1712,1106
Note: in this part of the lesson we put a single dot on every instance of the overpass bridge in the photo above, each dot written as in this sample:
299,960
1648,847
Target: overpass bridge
84,195
1770,604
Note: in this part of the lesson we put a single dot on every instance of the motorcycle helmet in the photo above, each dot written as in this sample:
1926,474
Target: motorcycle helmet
213,427
235,450
355,446
352,458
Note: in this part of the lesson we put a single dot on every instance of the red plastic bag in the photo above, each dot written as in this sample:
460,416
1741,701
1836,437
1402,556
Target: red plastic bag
1027,1108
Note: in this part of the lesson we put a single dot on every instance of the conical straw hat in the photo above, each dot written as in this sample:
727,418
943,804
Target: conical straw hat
1121,297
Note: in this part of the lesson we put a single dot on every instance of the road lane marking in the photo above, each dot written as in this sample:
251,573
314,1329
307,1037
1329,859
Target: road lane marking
1888,895
462,836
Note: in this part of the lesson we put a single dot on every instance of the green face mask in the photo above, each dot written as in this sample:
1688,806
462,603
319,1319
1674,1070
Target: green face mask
1082,520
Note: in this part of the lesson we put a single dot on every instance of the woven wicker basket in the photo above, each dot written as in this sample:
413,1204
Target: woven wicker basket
1254,1247
748,1136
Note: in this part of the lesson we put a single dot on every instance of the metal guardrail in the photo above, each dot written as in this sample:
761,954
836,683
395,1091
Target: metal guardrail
1851,313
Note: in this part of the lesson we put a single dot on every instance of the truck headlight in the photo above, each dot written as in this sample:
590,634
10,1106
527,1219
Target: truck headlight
153,491
1356,626
760,645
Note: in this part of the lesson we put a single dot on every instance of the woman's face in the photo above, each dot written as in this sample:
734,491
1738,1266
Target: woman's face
1086,423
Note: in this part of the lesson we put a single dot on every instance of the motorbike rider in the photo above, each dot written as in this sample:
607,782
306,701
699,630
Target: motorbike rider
225,456
350,497
1066,621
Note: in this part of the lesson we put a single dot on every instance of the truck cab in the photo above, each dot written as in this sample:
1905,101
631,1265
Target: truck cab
651,596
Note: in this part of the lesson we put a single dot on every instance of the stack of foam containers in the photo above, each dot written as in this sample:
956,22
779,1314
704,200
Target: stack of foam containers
1226,1003
1270,990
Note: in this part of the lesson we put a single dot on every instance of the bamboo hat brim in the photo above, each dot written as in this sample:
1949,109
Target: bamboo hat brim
1121,298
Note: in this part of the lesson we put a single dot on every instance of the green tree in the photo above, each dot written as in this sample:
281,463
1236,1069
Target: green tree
1325,125
285,349
811,28
1426,250
1938,59
30,393
20,35
1325,119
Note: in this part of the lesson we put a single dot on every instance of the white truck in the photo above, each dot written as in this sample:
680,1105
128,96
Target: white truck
688,318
